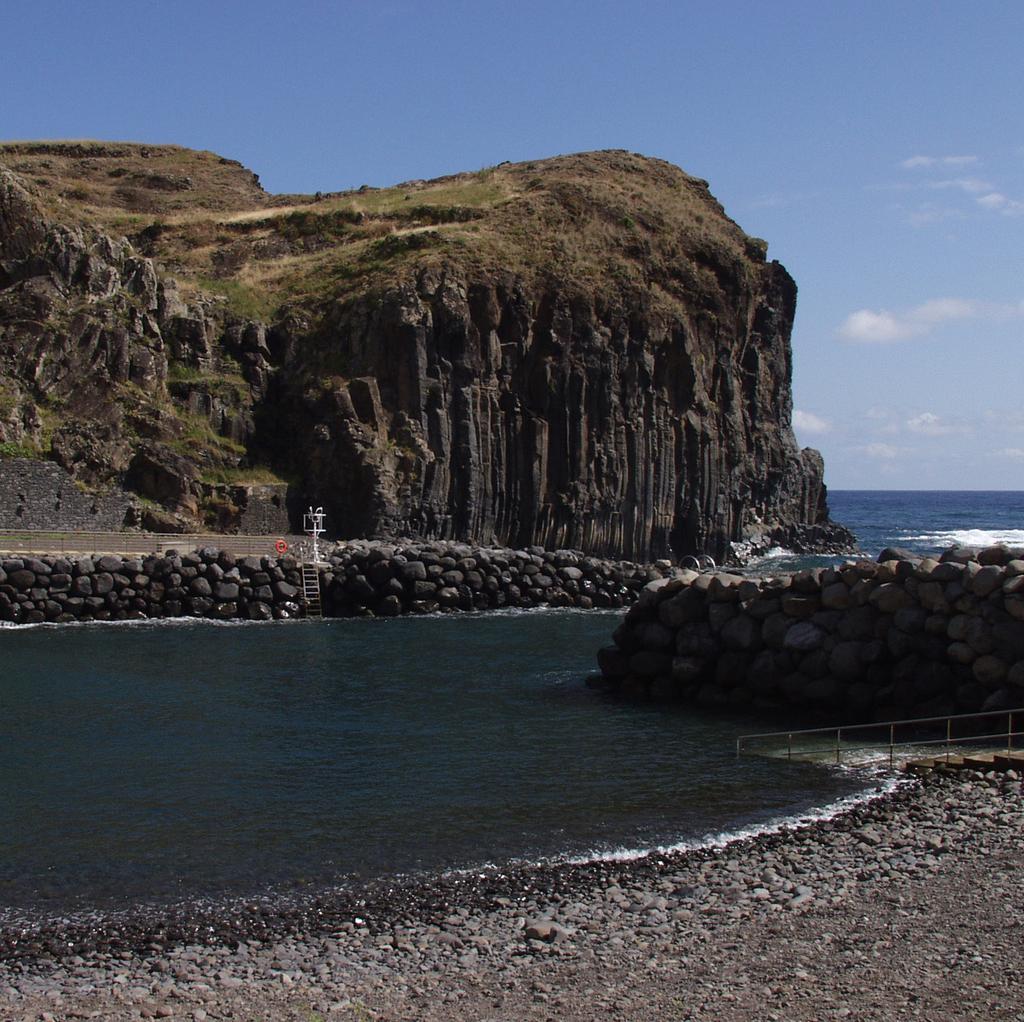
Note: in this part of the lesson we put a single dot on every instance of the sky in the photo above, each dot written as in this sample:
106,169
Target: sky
878,147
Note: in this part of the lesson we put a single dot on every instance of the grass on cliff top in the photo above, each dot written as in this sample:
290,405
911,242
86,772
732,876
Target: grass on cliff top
600,221
256,475
105,181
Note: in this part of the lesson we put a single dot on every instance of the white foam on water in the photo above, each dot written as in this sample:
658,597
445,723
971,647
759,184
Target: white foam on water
157,622
778,559
777,551
884,785
969,537
195,622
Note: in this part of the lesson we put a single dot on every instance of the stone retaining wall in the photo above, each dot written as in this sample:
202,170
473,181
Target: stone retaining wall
865,641
263,510
252,509
362,579
41,495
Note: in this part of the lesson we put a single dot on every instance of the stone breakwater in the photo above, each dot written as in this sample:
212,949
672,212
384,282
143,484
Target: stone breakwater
360,579
367,579
898,638
206,584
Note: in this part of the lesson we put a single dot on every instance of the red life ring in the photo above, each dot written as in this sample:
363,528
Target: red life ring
281,546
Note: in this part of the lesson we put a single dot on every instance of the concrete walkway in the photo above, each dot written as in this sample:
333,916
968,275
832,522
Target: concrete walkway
82,543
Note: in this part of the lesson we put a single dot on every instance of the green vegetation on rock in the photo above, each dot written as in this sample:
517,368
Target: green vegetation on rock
13,449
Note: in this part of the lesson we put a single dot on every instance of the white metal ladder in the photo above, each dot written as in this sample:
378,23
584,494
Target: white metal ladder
311,590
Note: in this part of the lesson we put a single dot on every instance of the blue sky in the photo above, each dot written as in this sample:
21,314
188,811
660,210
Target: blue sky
878,147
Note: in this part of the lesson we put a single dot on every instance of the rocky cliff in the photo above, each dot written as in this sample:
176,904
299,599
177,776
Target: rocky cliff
582,351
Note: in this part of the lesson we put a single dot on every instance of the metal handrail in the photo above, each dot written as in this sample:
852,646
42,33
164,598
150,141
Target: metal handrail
836,734
705,562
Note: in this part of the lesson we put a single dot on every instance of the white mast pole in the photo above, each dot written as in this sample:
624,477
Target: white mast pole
315,528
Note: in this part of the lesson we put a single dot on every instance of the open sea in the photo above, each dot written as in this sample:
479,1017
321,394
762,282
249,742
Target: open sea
920,521
155,762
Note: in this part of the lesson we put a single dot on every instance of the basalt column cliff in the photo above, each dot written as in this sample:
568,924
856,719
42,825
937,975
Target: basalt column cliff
583,351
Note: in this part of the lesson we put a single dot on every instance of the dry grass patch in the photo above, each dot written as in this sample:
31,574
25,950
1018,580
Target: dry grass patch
608,222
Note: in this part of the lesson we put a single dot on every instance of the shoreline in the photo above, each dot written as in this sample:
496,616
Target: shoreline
232,915
294,622
408,952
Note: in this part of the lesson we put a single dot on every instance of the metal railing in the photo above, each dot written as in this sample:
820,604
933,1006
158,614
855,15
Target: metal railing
703,562
16,541
895,735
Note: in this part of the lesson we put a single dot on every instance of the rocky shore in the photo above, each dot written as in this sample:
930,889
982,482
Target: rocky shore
905,905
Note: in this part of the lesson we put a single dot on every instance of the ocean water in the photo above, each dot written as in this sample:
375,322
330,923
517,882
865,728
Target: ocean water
929,521
925,522
157,762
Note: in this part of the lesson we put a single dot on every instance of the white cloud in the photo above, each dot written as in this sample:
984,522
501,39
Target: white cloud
808,422
929,424
939,310
929,213
880,421
883,452
984,194
883,327
875,327
938,161
1016,453
1003,420
970,185
1001,204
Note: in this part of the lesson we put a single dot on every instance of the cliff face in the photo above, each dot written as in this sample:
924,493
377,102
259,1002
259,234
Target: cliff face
580,352
484,409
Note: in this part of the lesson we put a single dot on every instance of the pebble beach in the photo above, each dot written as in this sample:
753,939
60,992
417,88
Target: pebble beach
904,905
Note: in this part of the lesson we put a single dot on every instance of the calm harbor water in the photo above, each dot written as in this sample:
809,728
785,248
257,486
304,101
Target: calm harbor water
161,761
155,761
